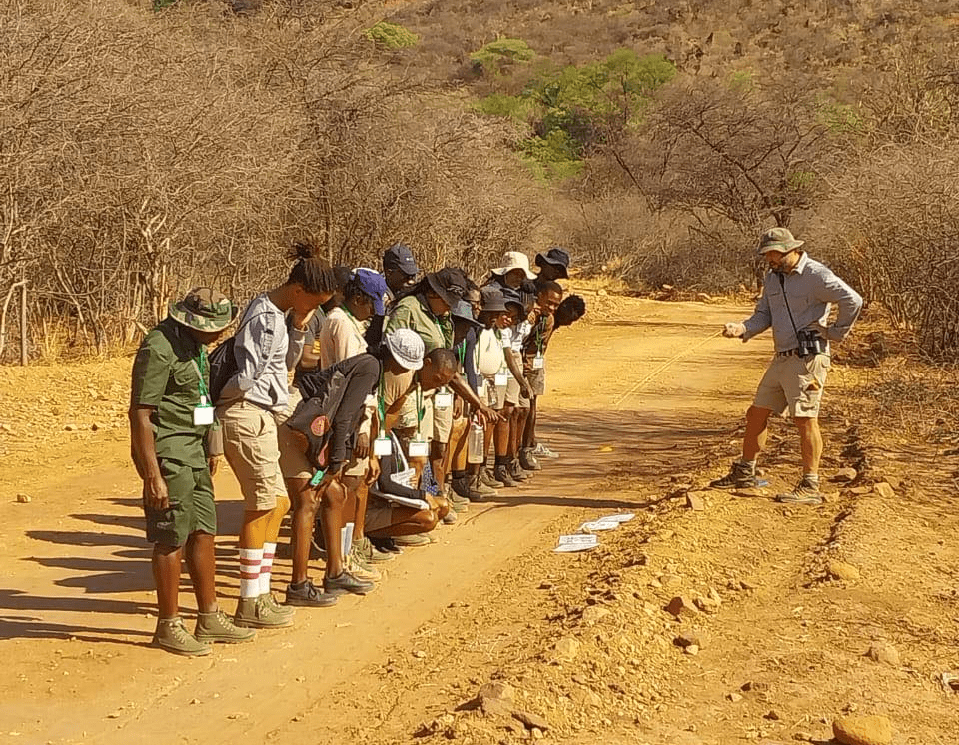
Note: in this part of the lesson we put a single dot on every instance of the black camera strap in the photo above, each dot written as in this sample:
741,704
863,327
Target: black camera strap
782,284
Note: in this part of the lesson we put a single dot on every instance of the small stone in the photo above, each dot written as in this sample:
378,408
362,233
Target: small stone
772,715
71,428
843,571
689,639
671,580
844,475
495,698
706,604
419,654
871,730
681,607
536,733
594,614
734,697
754,686
24,498
884,653
884,490
696,501
566,649
692,649
860,490
530,721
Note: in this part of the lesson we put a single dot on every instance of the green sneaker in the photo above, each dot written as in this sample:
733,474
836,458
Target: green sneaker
172,636
281,610
217,627
371,555
256,613
806,492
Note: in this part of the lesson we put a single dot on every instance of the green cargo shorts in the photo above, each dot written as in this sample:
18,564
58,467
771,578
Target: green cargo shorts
191,509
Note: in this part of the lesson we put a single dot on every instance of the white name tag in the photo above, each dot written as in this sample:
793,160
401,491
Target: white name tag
443,400
500,379
419,449
202,415
537,362
505,343
382,446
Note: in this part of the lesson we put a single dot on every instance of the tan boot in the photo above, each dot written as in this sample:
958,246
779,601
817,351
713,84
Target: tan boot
172,636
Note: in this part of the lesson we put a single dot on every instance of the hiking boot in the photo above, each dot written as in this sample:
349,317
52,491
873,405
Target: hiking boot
280,610
450,518
740,476
461,486
172,636
480,489
346,582
256,613
487,478
542,451
385,545
217,627
517,471
415,539
501,473
806,492
308,595
360,569
528,461
372,555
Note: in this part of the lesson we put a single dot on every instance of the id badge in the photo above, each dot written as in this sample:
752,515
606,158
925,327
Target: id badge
538,362
382,446
500,380
203,414
419,449
505,343
443,399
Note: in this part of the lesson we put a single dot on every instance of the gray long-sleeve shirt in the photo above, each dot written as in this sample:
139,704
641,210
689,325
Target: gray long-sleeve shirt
810,290
264,356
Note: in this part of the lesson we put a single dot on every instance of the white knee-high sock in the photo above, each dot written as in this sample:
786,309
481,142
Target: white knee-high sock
266,568
250,561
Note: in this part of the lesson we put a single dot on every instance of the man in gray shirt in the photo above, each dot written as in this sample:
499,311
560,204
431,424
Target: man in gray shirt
797,297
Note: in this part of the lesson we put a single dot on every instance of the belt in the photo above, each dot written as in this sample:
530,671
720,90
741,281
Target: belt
788,352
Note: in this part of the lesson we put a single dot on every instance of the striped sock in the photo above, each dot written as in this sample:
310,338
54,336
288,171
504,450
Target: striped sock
266,568
250,560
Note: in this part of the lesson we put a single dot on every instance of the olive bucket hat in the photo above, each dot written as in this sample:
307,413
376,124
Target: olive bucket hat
204,309
779,240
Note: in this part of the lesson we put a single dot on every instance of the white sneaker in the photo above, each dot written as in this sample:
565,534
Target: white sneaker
542,451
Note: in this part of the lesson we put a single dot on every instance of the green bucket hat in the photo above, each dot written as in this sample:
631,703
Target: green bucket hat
779,240
204,309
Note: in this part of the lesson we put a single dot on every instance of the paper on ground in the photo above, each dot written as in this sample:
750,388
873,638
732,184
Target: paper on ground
598,525
623,517
579,542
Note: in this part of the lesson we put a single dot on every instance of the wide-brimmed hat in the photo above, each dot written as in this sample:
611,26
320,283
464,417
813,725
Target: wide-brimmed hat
463,311
779,240
204,309
407,348
400,257
556,257
514,260
448,284
511,296
373,284
493,300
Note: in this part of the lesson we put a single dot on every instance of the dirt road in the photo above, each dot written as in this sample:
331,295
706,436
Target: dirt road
487,601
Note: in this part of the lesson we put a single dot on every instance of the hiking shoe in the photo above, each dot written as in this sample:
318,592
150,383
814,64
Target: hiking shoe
172,636
274,606
806,492
346,582
517,471
528,461
502,474
308,595
360,569
740,476
487,478
450,518
416,539
371,554
385,545
542,451
217,627
481,490
256,613
461,486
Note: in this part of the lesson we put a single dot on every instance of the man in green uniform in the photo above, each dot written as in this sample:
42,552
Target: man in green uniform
170,415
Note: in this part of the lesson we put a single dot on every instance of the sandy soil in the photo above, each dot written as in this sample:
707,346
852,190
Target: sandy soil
582,641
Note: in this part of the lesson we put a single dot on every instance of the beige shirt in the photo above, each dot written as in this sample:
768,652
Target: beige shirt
341,337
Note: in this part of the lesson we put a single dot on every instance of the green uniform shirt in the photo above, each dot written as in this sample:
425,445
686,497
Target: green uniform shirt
413,312
165,376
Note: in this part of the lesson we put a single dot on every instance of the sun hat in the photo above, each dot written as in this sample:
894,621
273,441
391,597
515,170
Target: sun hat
373,284
557,257
514,260
400,257
512,297
463,311
448,284
204,309
493,300
407,348
778,239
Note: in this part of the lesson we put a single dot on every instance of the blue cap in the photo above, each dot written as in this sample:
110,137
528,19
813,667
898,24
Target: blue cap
373,284
400,257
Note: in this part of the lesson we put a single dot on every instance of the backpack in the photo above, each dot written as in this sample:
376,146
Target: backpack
223,364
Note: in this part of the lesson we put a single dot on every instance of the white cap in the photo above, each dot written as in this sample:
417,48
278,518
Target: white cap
407,348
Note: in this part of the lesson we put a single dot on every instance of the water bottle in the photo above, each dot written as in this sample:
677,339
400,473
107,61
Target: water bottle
475,450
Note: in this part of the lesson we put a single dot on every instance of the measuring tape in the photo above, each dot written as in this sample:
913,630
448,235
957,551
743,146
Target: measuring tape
636,386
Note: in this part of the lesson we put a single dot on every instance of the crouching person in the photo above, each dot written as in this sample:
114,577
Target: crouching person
170,415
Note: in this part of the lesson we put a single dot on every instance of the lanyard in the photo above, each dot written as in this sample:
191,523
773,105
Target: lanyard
540,325
461,353
381,405
420,410
436,320
204,391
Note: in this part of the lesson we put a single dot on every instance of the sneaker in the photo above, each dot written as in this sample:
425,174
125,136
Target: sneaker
542,451
528,461
517,471
308,595
481,490
346,582
416,539
487,478
217,627
501,473
172,636
372,555
256,613
385,545
360,569
806,492
739,477
461,486
274,606
450,518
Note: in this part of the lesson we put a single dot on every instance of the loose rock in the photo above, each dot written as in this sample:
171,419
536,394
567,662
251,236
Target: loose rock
681,607
872,730
690,638
884,653
696,501
844,475
530,721
566,649
884,490
594,614
24,498
71,428
842,570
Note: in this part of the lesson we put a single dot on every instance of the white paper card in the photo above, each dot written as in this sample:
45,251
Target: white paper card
537,363
623,517
202,415
572,543
382,446
598,525
443,400
419,449
500,379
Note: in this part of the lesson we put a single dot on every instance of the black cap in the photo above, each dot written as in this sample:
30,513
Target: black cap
557,257
400,257
448,284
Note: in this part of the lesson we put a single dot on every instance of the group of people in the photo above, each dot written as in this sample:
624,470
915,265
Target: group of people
371,405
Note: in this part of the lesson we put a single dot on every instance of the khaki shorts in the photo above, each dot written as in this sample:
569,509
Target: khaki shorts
293,461
512,390
793,384
537,381
357,467
437,423
191,509
252,449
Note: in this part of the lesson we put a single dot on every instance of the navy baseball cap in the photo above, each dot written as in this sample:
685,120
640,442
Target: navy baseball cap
400,257
373,284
